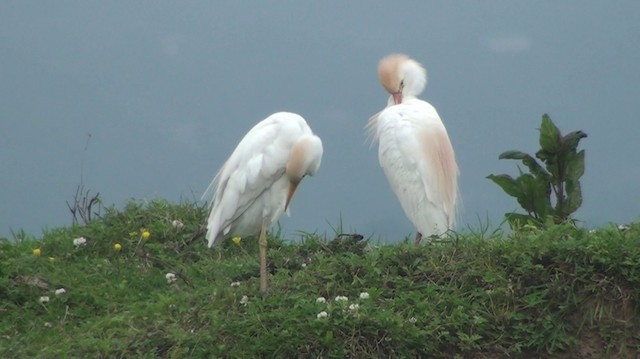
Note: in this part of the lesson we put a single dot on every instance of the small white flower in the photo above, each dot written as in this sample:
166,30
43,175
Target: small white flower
341,298
354,307
321,300
44,299
177,224
304,265
364,295
170,277
592,231
47,325
235,284
245,300
80,241
412,320
60,291
623,227
322,314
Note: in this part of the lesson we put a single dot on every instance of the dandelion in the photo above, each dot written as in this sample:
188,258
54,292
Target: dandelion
117,247
170,277
145,234
37,252
413,320
321,300
364,295
44,299
235,284
354,307
245,300
80,241
341,298
60,291
177,224
322,315
236,240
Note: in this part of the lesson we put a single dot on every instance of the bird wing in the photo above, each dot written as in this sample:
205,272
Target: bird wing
255,165
418,160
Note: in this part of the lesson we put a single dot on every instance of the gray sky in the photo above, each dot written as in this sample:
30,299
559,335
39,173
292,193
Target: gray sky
167,89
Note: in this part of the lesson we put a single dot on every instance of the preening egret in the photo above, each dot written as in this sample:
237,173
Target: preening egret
255,185
414,149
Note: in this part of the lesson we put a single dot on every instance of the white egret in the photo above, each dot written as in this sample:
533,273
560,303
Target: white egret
414,149
255,185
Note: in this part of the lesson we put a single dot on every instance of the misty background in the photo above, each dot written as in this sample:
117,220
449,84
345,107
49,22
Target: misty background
163,91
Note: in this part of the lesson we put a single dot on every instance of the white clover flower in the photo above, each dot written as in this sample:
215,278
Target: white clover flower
235,284
413,320
245,300
322,314
80,241
321,300
60,291
341,298
170,277
177,224
44,299
364,295
354,307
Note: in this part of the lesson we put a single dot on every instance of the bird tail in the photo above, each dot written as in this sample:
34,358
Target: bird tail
213,227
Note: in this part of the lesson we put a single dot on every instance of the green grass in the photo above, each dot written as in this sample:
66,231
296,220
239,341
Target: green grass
559,293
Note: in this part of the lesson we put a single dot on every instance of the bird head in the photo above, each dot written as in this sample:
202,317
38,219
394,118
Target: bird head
402,77
304,159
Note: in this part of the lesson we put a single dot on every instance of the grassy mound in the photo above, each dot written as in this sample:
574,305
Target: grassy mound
559,293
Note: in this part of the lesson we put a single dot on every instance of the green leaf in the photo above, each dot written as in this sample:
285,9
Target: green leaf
559,174
518,220
507,183
570,141
328,337
533,165
574,198
549,135
575,167
512,155
534,198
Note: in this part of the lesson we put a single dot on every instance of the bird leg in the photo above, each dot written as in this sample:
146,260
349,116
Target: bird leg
262,241
418,238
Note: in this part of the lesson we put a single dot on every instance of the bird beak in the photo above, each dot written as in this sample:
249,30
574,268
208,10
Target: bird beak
397,97
292,190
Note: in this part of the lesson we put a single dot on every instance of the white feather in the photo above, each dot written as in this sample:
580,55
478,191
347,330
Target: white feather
252,184
412,174
414,149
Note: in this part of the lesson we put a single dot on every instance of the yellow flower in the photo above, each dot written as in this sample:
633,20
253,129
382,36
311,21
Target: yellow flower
117,247
145,234
37,252
236,240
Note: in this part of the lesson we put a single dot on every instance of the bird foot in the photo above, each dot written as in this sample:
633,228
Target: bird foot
418,239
